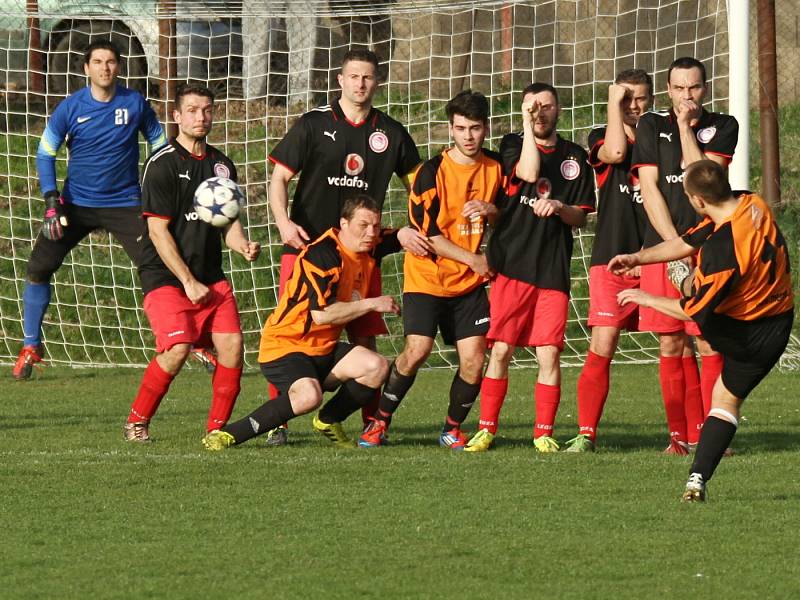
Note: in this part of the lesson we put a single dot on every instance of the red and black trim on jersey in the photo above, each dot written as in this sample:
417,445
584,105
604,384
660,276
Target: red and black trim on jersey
338,159
621,220
524,246
170,177
658,144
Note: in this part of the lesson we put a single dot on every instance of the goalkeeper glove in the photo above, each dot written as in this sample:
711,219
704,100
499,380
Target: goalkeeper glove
55,218
678,271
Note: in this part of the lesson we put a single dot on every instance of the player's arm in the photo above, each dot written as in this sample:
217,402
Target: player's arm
158,230
668,306
479,208
291,233
236,240
53,137
340,313
672,249
615,146
654,203
529,163
573,216
686,112
447,249
150,127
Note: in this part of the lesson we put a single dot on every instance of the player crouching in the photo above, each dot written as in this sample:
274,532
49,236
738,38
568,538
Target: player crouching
740,295
300,351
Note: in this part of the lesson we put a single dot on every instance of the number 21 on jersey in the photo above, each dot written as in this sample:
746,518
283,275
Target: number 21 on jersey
121,116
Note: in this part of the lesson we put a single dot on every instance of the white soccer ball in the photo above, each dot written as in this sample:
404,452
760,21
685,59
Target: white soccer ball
217,201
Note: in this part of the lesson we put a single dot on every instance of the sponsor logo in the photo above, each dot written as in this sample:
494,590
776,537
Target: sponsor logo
633,191
184,175
527,200
353,182
254,424
475,226
482,321
174,333
605,314
191,216
330,134
666,136
706,134
378,142
674,178
221,170
353,164
543,188
83,119
570,169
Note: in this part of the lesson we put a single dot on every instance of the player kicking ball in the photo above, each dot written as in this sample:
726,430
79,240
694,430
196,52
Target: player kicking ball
300,352
740,295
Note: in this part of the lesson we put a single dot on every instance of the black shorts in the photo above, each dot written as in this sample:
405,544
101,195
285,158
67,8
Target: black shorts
750,349
124,223
284,371
457,317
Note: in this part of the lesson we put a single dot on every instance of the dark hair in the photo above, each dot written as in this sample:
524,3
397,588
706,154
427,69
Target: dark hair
360,55
100,45
686,62
472,105
196,89
707,179
538,87
636,77
353,203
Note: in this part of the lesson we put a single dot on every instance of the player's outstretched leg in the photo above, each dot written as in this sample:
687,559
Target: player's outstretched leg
36,299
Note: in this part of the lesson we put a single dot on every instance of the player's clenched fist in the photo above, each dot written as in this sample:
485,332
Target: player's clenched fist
54,217
385,304
530,111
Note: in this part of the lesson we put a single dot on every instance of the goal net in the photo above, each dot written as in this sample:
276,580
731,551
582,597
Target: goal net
270,61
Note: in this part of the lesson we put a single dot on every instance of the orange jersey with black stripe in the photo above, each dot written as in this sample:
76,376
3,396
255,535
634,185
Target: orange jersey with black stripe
325,272
743,266
439,191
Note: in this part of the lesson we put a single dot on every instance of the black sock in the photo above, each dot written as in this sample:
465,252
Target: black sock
266,417
714,440
462,397
394,391
350,397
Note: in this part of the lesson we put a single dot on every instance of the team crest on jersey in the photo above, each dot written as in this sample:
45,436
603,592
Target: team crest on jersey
221,170
353,164
543,188
378,142
706,134
570,169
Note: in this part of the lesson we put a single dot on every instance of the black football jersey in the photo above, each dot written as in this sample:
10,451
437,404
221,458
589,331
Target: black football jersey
338,159
529,248
658,144
171,176
621,220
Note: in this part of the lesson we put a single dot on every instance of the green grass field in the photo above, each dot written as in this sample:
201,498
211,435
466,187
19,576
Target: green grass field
86,515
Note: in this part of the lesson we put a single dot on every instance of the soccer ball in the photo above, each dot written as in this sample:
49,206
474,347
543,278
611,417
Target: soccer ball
217,201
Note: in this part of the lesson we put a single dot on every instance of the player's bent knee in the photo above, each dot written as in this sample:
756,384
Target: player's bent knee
376,369
305,396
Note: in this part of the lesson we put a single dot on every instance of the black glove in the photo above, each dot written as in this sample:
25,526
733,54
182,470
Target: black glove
55,219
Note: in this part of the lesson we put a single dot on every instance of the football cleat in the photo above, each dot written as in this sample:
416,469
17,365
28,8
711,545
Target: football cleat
136,432
480,442
374,434
580,443
278,436
677,448
334,432
206,358
28,357
695,489
453,439
218,440
544,444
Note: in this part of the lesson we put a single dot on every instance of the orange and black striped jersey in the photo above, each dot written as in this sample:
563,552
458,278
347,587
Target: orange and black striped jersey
743,266
439,191
325,272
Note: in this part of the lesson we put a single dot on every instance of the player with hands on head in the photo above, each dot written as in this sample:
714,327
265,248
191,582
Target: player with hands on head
740,295
100,124
187,299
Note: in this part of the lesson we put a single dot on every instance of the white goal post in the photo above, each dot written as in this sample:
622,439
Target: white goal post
269,61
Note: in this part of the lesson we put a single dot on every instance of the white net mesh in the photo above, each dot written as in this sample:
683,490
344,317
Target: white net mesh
270,61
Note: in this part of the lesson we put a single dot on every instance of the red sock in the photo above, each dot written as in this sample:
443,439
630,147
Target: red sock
692,400
547,399
225,387
711,370
368,411
592,392
273,391
670,374
493,394
153,388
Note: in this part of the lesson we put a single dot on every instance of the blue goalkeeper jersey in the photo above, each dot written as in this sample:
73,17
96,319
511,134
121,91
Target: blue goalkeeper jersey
103,147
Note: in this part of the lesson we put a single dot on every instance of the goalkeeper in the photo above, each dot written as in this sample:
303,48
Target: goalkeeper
100,123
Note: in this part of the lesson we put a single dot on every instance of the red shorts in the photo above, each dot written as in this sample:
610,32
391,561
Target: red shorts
654,281
604,310
175,320
524,315
368,325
